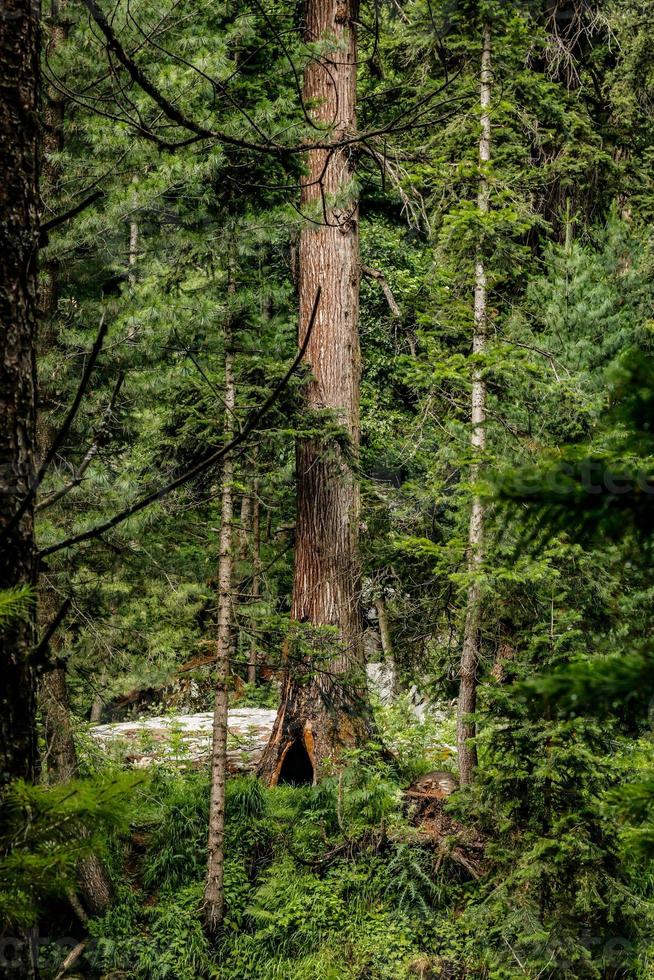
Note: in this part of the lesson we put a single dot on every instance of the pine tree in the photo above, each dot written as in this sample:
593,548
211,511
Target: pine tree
316,719
19,238
467,753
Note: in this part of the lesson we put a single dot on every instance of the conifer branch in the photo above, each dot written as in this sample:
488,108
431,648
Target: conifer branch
89,455
65,428
60,219
251,422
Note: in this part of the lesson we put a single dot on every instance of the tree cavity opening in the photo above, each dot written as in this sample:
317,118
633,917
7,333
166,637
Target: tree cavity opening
297,767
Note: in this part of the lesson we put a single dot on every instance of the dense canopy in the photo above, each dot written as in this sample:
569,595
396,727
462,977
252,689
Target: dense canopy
326,474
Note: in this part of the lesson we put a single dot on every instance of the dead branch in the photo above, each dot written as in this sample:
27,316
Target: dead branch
380,278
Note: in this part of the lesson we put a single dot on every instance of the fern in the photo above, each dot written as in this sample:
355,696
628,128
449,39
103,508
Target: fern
48,829
411,882
15,604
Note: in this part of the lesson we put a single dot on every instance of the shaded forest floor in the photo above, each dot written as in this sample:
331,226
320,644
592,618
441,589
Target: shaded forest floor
383,871
342,880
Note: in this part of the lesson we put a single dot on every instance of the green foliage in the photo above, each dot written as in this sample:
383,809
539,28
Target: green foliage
335,881
46,830
15,603
418,745
164,940
325,878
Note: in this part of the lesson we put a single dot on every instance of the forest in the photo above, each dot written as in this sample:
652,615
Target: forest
326,476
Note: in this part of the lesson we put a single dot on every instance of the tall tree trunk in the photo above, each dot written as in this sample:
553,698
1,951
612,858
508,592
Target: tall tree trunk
256,574
60,749
61,752
19,239
466,727
214,896
57,34
318,717
133,252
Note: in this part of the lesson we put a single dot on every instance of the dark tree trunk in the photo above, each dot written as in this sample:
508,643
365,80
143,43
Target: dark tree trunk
62,765
61,752
61,759
19,236
318,717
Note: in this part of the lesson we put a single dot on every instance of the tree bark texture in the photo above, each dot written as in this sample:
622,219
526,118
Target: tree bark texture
318,715
19,236
466,727
61,757
214,897
256,575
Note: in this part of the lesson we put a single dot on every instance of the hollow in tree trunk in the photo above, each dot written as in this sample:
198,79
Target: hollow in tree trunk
321,710
466,726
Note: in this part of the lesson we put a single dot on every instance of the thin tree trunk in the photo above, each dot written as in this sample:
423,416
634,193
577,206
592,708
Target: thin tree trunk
245,526
384,630
132,259
60,749
466,727
256,574
133,252
19,238
99,700
57,34
317,718
214,897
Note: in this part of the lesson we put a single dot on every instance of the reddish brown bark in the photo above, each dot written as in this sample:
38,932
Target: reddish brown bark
19,236
318,717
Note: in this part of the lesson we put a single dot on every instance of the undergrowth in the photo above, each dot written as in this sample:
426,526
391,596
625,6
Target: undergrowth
325,881
341,882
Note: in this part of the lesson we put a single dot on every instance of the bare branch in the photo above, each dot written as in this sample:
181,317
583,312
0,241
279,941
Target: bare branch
40,652
89,456
65,428
60,219
380,278
140,78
